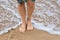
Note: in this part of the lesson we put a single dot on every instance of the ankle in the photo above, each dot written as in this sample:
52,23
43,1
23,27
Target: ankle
29,19
24,23
29,22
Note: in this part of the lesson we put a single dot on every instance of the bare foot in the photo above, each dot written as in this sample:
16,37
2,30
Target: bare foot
29,26
22,28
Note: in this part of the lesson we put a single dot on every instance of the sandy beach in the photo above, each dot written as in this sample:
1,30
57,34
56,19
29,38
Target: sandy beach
14,34
48,18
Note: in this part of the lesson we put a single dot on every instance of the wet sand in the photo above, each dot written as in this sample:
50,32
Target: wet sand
14,34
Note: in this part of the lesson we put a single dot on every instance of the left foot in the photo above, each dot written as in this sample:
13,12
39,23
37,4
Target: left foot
29,26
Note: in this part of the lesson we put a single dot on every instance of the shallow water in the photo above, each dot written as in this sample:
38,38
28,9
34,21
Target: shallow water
45,17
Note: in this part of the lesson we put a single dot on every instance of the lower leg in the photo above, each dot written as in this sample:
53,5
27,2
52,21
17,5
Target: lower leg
30,12
22,12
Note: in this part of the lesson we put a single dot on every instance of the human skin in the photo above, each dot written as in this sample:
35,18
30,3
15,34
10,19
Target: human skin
26,23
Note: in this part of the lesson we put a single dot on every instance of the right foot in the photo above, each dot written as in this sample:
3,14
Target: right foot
22,28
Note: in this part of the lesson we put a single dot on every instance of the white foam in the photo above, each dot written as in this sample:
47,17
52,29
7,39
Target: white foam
44,13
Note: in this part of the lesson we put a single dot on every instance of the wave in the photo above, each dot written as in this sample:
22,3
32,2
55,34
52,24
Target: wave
46,16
